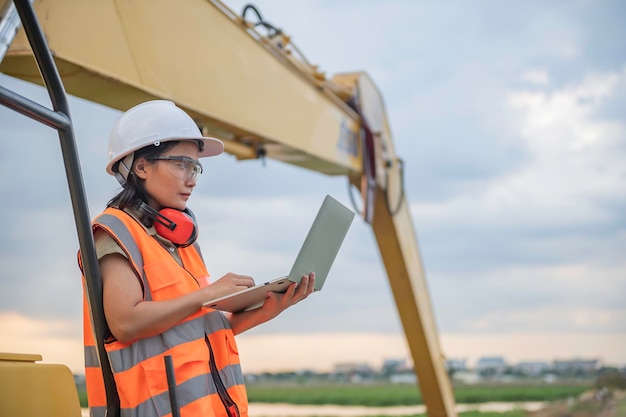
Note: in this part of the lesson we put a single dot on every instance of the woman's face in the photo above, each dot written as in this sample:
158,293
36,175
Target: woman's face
169,182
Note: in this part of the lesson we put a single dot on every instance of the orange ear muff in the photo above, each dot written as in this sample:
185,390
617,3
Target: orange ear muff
179,227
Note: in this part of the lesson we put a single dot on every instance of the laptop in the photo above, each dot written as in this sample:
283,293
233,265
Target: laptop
317,254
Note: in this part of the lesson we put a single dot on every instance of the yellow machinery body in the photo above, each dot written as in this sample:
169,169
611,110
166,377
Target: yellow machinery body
30,389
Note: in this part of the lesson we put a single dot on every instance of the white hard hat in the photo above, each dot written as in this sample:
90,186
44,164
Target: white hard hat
151,123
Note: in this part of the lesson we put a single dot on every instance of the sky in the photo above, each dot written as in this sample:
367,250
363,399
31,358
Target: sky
511,121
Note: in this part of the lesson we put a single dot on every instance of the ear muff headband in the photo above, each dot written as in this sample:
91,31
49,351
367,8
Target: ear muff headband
179,227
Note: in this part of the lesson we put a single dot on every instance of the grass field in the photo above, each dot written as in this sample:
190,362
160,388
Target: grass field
381,395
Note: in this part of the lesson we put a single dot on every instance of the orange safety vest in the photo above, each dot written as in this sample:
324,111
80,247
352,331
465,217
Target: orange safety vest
209,381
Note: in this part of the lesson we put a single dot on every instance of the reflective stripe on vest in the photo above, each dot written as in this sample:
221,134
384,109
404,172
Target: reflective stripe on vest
138,367
127,243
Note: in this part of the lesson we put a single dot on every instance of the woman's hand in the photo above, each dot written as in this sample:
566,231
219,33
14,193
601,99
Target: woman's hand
228,284
274,304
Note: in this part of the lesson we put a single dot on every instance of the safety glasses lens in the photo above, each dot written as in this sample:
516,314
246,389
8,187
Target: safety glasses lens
183,167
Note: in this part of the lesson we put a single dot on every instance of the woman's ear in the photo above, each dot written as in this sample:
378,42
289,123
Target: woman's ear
139,168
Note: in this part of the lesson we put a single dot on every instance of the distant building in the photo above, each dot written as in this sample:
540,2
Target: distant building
403,378
576,366
491,365
466,377
352,367
456,365
392,366
353,372
531,368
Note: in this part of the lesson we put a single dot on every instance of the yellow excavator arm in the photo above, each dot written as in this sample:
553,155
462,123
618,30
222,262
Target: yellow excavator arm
258,94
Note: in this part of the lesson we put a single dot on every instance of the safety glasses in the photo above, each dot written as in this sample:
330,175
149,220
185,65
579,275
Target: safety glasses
183,167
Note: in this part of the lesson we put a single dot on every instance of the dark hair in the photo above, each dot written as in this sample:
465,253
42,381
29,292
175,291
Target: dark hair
134,192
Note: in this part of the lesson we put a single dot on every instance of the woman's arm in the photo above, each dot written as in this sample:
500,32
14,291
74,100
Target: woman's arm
274,304
130,317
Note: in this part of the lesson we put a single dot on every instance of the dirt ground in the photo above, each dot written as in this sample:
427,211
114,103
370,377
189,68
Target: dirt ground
591,404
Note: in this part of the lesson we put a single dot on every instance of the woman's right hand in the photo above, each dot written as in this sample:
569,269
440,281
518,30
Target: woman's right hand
228,284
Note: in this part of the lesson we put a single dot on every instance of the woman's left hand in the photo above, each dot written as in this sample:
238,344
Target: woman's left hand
275,303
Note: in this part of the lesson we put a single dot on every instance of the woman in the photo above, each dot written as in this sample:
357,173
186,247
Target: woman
155,281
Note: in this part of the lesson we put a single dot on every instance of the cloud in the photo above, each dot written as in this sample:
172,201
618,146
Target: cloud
563,209
568,179
536,76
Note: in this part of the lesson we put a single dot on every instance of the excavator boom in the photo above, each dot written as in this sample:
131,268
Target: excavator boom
263,99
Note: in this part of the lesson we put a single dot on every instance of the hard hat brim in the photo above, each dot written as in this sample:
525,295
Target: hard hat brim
212,147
